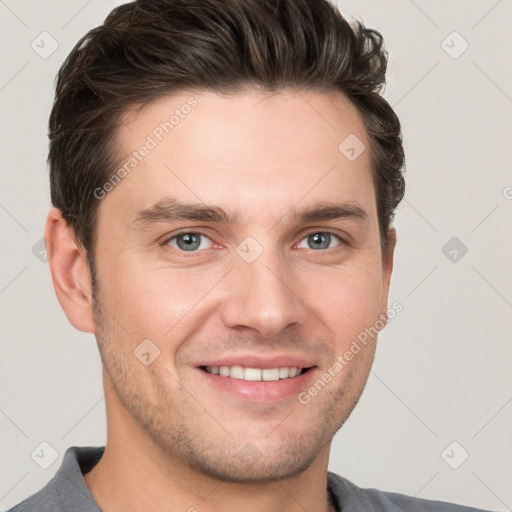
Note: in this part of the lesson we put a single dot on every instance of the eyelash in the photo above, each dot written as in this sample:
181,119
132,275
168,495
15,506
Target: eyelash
192,253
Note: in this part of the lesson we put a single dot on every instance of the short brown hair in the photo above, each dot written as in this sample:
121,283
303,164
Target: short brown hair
150,48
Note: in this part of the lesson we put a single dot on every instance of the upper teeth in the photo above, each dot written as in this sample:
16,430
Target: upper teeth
239,372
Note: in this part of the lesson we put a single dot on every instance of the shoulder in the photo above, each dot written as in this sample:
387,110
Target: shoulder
44,500
67,489
413,504
350,497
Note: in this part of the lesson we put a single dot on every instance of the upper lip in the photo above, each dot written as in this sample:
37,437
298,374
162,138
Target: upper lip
255,361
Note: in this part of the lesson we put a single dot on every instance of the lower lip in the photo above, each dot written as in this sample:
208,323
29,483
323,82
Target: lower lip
261,391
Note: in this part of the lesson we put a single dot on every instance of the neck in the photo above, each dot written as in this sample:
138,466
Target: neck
135,474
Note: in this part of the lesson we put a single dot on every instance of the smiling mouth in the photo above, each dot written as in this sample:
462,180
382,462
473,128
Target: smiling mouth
255,374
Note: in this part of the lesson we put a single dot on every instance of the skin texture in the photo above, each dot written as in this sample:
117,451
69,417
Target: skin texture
175,442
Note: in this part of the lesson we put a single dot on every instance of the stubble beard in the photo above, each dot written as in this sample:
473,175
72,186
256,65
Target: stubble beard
187,432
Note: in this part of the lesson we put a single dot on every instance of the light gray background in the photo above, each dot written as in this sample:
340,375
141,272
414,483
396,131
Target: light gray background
442,370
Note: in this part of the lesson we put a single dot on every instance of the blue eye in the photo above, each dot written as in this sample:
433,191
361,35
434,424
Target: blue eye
187,241
320,240
191,241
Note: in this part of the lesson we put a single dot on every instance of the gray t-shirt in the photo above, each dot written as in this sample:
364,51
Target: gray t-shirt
68,492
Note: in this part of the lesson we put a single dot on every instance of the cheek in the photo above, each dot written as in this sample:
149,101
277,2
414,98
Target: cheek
154,303
348,300
158,302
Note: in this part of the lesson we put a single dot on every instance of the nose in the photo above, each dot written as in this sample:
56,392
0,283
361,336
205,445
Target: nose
264,296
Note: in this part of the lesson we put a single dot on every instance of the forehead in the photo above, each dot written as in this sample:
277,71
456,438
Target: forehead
252,150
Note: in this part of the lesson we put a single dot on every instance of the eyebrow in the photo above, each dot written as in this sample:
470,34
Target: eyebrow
171,209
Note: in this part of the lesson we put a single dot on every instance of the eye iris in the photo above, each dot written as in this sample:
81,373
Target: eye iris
320,238
191,241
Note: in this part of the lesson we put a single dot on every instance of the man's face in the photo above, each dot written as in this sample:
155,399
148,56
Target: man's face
267,290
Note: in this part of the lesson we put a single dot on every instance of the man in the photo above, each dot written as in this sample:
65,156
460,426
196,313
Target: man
224,176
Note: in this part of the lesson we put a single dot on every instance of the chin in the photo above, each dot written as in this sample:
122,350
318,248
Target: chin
255,468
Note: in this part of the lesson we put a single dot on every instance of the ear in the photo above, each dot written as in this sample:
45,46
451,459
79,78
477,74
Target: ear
387,269
70,272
